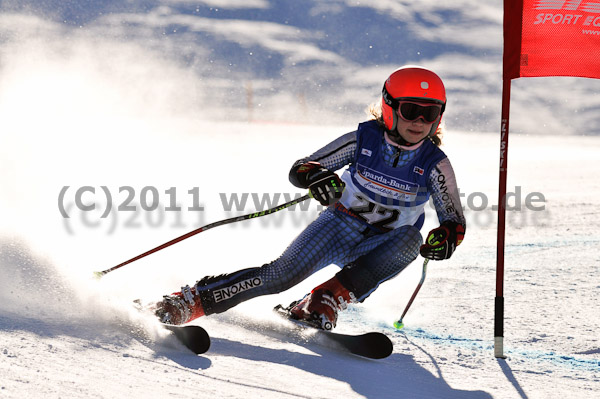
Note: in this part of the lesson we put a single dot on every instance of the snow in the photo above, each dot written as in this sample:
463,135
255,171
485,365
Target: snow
64,334
80,113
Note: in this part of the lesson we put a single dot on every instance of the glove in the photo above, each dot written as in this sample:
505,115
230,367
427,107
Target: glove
324,185
441,242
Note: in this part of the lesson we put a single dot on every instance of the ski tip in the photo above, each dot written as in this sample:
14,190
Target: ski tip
374,345
195,338
386,347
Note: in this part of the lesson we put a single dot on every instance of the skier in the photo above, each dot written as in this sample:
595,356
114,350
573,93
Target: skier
371,226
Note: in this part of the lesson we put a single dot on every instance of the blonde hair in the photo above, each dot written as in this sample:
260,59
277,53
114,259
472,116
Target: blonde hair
374,110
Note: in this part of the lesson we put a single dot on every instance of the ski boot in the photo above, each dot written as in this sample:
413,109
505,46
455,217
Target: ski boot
180,307
320,307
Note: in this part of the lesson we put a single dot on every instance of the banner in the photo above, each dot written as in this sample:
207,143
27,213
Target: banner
551,38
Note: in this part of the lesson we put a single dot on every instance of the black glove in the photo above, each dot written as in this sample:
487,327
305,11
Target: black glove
441,242
324,185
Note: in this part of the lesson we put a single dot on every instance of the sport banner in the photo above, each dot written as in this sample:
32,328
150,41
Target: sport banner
551,38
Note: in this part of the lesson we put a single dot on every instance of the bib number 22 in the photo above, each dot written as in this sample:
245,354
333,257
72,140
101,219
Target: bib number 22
374,214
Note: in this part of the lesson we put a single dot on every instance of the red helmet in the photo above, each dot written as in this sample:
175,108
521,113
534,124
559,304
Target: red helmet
412,83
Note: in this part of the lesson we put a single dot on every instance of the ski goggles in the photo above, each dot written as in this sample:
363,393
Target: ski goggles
411,111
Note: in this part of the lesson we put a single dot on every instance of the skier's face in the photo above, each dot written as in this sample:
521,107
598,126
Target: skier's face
413,131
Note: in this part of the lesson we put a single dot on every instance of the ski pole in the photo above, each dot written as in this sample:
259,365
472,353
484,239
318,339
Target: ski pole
204,228
399,324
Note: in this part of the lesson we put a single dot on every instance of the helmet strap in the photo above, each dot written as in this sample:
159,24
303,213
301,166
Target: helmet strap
399,140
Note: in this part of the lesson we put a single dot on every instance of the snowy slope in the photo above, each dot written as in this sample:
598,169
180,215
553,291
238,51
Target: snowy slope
77,110
64,334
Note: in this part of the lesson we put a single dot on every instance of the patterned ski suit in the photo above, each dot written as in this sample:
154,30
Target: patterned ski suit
372,233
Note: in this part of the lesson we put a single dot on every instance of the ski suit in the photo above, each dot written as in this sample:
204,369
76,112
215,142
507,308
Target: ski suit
372,232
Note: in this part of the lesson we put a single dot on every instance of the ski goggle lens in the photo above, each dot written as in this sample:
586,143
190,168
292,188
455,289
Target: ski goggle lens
410,111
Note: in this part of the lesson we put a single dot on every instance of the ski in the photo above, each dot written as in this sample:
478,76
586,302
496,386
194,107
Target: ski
195,338
373,345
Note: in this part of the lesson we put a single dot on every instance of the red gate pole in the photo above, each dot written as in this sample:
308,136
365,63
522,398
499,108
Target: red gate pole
499,300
